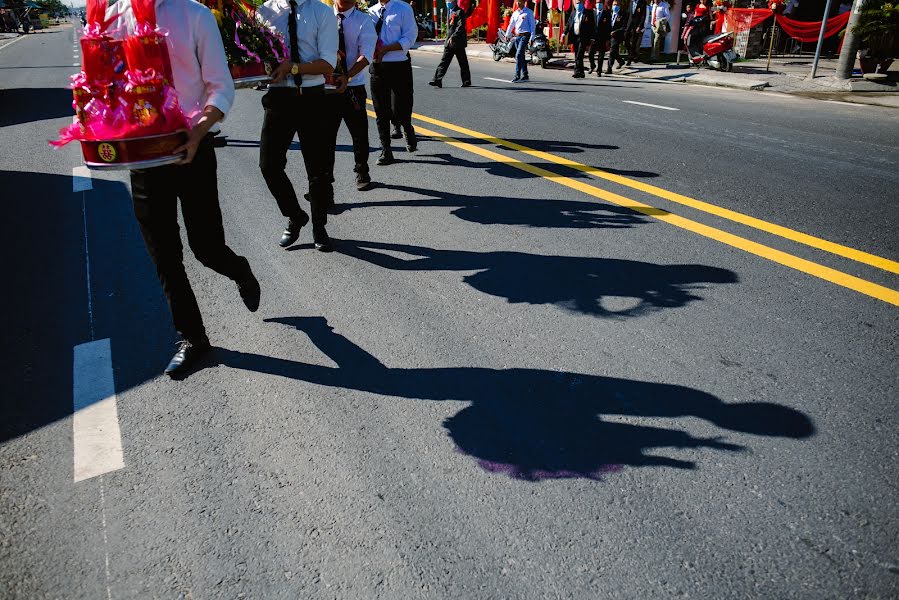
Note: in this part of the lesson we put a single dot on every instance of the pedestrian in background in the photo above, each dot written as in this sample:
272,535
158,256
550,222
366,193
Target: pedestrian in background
579,32
356,39
633,36
617,33
601,36
201,78
661,18
391,73
524,26
295,105
456,41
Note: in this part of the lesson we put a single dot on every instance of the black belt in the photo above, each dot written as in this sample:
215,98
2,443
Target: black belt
312,90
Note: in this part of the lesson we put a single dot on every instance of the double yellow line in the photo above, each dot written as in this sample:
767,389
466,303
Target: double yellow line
784,258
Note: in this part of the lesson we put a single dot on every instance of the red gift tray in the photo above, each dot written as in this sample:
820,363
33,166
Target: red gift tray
249,74
133,153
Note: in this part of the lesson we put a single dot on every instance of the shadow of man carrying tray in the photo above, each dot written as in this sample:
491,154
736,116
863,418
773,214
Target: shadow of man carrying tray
534,424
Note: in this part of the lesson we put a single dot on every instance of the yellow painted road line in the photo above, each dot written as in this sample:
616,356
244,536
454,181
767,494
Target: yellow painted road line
800,264
772,228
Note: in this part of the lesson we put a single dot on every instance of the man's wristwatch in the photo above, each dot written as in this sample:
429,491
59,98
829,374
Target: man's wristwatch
295,69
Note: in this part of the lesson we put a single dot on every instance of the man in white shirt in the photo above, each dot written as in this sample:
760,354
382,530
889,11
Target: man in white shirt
356,46
524,25
391,72
661,25
202,80
295,105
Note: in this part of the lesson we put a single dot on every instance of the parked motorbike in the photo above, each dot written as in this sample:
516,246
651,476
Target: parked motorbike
538,48
714,51
504,46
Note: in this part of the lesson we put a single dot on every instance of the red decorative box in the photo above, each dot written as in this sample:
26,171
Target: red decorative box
133,153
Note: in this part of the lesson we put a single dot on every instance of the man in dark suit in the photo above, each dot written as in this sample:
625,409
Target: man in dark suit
636,23
617,25
600,38
456,41
579,33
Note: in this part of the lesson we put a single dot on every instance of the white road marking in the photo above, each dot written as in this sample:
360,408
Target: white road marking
76,64
417,67
499,80
12,42
81,180
96,438
650,105
843,103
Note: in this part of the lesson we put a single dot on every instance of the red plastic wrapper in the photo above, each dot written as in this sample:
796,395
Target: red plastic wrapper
145,99
103,59
148,50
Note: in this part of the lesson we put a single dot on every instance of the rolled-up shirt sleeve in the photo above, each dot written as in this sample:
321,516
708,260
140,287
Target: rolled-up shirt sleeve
213,65
326,40
368,39
408,30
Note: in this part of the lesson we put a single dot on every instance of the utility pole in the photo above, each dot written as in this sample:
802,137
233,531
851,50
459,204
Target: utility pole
820,40
850,44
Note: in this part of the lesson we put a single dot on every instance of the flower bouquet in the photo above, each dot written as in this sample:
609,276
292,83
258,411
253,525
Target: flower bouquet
252,49
127,111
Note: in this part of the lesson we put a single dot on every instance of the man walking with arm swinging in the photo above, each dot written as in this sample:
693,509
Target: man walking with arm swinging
524,26
456,41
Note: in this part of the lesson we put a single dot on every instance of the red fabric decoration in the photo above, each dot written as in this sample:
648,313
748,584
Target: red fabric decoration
741,19
808,31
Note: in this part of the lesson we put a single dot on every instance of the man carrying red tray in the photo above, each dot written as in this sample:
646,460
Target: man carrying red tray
202,80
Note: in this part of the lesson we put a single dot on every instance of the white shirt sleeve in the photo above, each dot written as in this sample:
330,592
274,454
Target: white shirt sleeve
368,39
213,64
409,29
327,42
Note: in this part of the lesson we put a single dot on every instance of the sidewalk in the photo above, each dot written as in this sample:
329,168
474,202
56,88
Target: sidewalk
788,76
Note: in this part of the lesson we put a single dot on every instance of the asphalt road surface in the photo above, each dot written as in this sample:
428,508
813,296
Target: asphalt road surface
643,347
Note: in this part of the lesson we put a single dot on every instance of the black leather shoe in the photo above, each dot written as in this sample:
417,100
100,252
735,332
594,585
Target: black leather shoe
292,232
363,182
397,134
321,239
386,158
436,83
250,291
466,84
411,140
187,355
590,70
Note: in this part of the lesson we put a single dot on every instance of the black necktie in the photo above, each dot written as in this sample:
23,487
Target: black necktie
294,45
380,22
341,48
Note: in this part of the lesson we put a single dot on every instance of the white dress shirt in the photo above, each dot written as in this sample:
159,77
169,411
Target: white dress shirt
662,11
199,66
360,37
522,21
316,34
399,26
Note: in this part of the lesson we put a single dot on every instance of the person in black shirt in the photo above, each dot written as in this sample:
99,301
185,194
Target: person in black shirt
456,41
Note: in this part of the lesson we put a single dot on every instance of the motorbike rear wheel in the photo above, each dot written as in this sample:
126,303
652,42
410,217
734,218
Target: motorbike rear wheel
497,56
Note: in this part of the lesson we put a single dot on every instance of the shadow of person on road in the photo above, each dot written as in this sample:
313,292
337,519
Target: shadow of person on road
573,283
501,169
534,424
500,210
27,105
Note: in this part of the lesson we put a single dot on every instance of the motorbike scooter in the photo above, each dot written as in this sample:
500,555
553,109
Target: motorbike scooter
538,47
504,46
714,51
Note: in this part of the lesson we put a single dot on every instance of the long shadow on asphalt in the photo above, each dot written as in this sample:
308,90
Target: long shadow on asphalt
534,424
526,212
602,287
504,170
45,297
26,105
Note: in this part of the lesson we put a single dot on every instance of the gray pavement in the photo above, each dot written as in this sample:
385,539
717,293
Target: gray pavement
504,383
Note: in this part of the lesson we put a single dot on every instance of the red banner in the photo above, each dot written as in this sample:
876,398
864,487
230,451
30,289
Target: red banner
741,19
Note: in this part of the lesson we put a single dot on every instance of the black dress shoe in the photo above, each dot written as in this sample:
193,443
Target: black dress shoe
321,239
187,355
250,291
363,182
411,140
397,134
386,158
590,70
466,84
292,232
436,83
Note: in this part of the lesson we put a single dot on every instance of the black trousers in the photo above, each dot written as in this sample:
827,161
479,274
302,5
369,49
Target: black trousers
597,54
308,117
155,193
614,53
580,48
349,108
632,42
447,59
391,78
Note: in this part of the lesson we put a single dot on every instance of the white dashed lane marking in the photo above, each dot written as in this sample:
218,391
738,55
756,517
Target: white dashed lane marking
96,438
81,180
650,105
